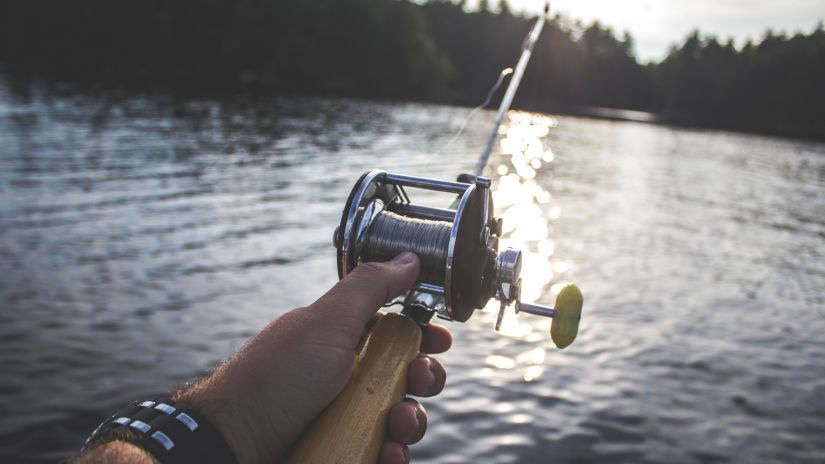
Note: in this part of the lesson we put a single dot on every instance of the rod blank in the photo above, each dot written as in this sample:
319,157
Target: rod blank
511,90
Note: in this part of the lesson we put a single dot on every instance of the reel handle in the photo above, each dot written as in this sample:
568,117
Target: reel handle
568,312
566,315
353,427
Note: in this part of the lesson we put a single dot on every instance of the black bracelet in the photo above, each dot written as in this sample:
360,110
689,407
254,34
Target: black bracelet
171,432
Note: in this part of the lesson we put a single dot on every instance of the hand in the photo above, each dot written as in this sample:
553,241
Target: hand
262,399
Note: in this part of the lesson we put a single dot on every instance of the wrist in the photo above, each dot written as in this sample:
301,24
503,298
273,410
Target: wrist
231,422
169,430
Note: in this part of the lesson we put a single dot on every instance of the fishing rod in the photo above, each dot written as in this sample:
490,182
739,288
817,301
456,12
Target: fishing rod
507,100
461,270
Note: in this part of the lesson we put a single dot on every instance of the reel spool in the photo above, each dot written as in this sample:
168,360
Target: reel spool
461,266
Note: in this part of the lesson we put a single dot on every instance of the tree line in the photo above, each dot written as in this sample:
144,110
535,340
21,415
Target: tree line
431,51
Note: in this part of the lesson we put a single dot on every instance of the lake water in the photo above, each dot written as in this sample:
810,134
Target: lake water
145,238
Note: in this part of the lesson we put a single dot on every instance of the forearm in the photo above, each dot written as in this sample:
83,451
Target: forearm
259,402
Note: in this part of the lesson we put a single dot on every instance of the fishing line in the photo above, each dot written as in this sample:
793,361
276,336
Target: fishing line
504,73
390,234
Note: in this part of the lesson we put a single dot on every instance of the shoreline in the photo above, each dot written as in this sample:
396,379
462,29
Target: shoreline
229,89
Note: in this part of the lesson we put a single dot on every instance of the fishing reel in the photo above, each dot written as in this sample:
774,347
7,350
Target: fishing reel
458,247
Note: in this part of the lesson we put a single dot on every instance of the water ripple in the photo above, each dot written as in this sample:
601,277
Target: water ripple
183,226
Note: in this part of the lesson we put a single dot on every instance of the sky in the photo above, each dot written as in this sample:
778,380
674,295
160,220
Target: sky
657,24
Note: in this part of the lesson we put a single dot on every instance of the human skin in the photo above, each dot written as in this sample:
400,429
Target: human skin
264,397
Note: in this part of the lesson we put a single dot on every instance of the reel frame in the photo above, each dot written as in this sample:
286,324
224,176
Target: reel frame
474,270
467,257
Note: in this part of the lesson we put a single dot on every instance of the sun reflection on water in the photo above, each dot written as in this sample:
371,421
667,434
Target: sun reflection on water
533,373
500,362
528,212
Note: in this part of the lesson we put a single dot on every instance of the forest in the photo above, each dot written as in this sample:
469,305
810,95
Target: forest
433,50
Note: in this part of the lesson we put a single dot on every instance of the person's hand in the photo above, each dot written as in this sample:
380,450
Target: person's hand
262,399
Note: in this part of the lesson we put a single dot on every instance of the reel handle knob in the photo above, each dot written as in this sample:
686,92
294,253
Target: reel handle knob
565,323
566,315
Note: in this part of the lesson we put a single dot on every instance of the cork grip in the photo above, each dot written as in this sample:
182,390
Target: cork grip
351,430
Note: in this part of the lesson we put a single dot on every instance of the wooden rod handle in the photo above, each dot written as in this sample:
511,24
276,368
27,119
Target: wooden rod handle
351,430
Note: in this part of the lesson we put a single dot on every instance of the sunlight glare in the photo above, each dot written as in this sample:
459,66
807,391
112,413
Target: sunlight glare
528,213
500,362
520,419
534,356
533,373
561,267
556,288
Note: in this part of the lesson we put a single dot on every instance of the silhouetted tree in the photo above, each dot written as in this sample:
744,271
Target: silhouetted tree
774,86
431,51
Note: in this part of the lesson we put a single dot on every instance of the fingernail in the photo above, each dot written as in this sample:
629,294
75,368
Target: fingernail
420,423
404,259
430,375
417,429
406,455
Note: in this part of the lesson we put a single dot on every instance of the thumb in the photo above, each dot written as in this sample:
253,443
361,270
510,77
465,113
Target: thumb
356,298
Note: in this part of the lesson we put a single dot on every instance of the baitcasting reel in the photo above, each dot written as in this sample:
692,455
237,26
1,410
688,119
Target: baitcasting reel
461,266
